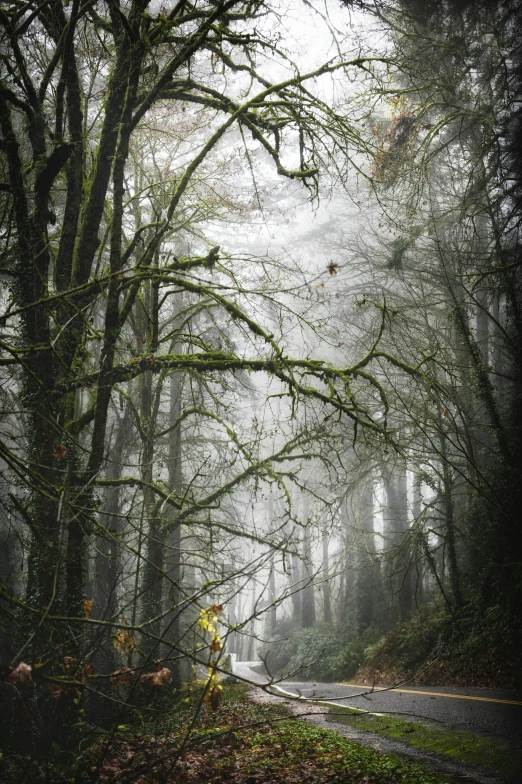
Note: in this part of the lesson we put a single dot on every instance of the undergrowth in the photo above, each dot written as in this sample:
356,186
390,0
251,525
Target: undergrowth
247,743
435,647
464,747
240,743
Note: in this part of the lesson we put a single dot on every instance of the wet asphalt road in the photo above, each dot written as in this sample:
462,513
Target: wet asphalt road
496,713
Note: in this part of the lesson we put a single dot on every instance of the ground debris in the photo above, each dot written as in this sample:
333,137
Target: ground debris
249,743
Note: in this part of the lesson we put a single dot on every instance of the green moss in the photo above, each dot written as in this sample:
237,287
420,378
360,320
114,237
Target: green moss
485,754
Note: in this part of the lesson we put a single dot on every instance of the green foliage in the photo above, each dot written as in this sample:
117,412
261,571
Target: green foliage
473,647
398,248
238,743
410,643
319,653
247,741
372,650
486,754
311,752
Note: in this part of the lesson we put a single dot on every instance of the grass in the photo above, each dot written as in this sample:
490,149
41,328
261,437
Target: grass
284,750
247,743
485,754
241,742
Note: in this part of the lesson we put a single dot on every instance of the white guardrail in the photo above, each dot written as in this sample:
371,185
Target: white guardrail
232,659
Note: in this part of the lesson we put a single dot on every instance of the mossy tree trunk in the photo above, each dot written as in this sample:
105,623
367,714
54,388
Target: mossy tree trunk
368,594
173,588
308,615
398,539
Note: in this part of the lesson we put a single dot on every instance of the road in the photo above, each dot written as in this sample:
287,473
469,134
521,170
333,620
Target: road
496,713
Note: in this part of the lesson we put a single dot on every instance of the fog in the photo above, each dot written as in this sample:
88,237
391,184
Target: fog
260,348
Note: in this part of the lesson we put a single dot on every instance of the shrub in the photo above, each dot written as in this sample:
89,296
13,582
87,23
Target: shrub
319,653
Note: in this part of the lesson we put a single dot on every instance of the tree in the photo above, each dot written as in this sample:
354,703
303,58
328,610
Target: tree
443,249
91,223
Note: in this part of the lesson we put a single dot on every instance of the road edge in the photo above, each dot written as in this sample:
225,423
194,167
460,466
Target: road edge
318,713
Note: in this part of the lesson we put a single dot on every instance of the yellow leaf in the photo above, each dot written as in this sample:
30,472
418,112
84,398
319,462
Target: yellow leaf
124,642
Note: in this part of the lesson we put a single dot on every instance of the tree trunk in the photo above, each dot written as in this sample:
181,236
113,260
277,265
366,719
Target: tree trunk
252,627
295,579
367,571
449,519
397,538
308,592
272,612
347,588
327,602
9,556
173,594
154,562
108,562
419,550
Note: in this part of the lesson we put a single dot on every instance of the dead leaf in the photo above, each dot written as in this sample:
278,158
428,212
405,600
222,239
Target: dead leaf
121,677
124,642
156,679
214,697
57,692
332,268
22,674
60,451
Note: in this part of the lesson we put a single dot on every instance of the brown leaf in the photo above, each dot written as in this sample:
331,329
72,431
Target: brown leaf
214,697
57,692
22,674
121,677
124,641
60,451
332,268
156,679
87,608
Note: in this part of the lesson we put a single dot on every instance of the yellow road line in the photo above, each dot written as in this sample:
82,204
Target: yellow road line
437,694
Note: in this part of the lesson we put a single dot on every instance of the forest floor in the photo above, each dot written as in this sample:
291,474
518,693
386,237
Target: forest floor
252,742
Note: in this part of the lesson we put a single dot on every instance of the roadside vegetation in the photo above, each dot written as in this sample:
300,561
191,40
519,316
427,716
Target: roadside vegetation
435,649
245,743
485,754
431,647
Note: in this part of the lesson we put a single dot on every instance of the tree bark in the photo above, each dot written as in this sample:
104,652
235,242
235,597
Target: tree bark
397,538
367,575
173,593
308,592
327,601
